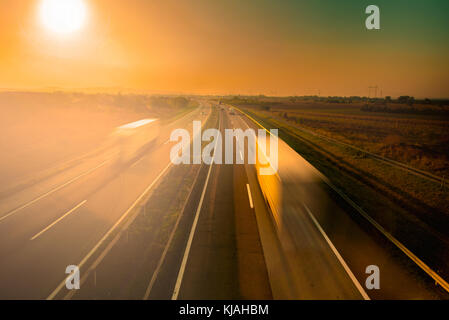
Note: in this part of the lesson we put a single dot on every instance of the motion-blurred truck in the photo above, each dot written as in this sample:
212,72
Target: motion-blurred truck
130,139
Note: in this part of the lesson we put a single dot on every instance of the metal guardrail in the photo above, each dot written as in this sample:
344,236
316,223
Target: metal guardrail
424,174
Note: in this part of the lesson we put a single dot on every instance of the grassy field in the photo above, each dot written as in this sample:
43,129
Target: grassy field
421,141
412,208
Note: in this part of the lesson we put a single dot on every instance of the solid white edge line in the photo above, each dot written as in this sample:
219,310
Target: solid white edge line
192,231
91,252
249,196
57,220
169,242
53,190
337,254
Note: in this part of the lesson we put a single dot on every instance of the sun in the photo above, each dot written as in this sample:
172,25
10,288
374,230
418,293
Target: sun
63,16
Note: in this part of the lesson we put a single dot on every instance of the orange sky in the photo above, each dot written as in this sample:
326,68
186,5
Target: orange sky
224,48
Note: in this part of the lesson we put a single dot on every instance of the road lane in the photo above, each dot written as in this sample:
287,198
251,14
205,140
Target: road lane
32,269
226,259
229,256
323,276
232,265
192,231
168,245
46,194
59,219
112,229
358,243
124,267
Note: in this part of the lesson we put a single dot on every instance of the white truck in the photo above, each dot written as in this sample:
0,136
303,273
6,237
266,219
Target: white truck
131,138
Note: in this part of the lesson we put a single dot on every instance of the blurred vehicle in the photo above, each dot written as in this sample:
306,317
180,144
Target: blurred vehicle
131,138
283,191
271,187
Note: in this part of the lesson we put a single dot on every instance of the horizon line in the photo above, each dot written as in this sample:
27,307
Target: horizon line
128,91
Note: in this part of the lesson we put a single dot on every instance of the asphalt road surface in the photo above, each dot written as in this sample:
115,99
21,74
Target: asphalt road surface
56,223
147,229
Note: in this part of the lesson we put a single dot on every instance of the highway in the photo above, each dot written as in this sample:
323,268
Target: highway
339,228
56,223
147,229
